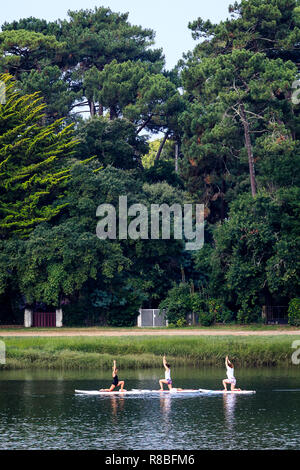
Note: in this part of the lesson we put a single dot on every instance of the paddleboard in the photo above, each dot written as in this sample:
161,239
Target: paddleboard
162,392
219,392
135,392
97,392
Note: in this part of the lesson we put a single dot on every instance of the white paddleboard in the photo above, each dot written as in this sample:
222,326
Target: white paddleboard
97,392
162,392
220,392
134,392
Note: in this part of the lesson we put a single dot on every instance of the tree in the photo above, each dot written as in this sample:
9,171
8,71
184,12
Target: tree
112,142
23,50
82,44
254,260
246,85
33,162
266,26
237,91
57,96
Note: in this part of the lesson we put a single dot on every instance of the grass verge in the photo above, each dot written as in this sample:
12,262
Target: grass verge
144,351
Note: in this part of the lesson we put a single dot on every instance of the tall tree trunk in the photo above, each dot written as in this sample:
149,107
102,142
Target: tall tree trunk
182,273
92,107
112,113
249,149
161,147
100,110
176,157
223,201
223,190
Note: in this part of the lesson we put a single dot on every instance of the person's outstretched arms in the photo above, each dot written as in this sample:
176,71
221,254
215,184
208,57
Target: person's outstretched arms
165,362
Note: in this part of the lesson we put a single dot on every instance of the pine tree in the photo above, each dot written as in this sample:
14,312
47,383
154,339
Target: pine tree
238,84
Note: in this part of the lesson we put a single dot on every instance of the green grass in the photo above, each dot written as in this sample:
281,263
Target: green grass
144,351
218,326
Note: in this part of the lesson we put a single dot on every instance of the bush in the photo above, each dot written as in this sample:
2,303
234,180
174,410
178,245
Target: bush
210,311
206,318
177,304
198,303
219,311
200,307
248,314
294,312
181,322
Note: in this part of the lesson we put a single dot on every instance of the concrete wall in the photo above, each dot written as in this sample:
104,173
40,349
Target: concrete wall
59,318
28,318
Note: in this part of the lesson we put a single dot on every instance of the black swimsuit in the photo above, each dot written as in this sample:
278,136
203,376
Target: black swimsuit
115,380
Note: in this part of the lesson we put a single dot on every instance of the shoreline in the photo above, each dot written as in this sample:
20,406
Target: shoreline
146,351
272,330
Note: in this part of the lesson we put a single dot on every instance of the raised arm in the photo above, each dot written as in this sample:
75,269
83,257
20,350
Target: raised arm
114,367
165,363
226,361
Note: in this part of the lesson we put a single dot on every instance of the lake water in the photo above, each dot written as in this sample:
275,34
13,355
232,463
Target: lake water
39,410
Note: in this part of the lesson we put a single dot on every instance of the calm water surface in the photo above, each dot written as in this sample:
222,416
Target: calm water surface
39,410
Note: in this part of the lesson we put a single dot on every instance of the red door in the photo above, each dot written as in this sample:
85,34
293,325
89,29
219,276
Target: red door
44,319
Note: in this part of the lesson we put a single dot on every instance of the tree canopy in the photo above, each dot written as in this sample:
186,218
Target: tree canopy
90,114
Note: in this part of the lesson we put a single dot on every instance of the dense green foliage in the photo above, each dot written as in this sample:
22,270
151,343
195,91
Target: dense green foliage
294,312
32,156
221,129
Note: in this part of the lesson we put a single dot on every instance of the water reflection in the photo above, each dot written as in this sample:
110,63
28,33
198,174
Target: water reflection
165,406
117,405
229,402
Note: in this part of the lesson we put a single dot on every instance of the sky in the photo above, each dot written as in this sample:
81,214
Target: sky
168,18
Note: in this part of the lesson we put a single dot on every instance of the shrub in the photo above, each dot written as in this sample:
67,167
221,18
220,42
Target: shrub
219,311
197,303
294,312
206,318
181,322
210,311
248,314
177,303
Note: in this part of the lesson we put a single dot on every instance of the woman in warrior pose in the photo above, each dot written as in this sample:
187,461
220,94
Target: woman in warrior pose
167,380
115,382
230,377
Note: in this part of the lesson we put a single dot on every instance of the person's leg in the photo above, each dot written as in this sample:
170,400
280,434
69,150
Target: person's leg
233,389
121,384
161,382
225,381
108,389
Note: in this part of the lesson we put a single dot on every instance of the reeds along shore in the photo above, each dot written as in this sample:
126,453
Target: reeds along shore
145,352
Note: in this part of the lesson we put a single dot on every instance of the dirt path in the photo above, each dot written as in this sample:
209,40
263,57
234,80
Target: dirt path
149,332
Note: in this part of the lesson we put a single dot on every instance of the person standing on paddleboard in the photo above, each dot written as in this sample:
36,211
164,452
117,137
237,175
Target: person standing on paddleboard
115,382
230,376
167,380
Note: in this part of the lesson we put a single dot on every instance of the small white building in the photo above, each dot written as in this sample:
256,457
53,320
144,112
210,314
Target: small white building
151,317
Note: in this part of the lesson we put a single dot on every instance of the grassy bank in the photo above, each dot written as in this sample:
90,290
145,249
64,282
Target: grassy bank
217,326
144,351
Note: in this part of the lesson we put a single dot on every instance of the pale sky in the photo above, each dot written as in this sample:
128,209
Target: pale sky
168,18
